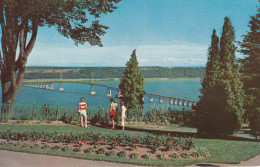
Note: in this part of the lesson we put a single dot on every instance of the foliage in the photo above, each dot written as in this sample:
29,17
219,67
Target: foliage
185,155
251,73
147,155
111,153
174,155
77,149
132,84
220,109
203,152
36,145
111,72
102,150
22,19
195,154
25,145
66,148
162,156
45,146
56,147
134,155
122,153
89,150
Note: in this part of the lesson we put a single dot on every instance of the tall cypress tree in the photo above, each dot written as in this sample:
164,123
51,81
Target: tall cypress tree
231,95
206,117
250,70
220,109
132,84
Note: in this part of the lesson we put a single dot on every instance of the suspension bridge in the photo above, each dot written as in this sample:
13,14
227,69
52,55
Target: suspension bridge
151,96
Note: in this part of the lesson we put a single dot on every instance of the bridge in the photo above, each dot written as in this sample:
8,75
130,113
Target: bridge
151,96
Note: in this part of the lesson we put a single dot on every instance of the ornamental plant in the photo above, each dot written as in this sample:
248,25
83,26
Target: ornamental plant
148,155
102,150
56,147
134,155
185,155
77,149
36,145
195,154
89,150
66,148
45,146
25,145
122,153
203,152
111,153
174,155
162,156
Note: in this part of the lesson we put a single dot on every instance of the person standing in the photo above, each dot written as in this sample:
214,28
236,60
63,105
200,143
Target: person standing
112,112
123,114
83,111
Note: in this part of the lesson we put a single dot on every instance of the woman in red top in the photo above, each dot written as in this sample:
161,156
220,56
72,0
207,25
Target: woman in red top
83,111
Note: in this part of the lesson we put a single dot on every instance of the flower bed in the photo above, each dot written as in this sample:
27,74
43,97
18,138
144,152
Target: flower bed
125,146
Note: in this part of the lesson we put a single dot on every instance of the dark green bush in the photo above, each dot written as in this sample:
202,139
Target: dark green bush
203,152
35,145
102,150
56,147
185,155
134,155
162,156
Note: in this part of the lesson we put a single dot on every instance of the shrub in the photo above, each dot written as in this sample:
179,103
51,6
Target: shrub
169,146
102,150
56,147
25,145
3,142
77,149
195,154
122,153
148,155
111,153
35,145
174,155
89,150
18,143
185,155
134,155
203,152
66,148
162,156
45,146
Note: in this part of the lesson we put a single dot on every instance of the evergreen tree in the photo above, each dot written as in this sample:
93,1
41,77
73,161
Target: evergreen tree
132,84
219,111
229,83
251,73
206,116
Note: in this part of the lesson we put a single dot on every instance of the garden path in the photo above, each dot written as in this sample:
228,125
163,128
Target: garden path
19,159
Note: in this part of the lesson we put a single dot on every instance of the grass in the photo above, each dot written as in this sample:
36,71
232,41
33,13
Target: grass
222,151
164,128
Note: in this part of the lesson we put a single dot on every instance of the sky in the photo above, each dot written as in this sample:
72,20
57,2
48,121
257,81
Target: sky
168,33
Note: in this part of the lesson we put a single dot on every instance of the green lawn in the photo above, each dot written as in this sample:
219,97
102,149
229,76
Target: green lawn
222,151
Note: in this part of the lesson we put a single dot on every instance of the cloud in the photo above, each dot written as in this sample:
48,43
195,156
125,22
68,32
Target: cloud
177,54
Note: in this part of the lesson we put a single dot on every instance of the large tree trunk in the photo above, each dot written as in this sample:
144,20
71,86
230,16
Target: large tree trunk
12,69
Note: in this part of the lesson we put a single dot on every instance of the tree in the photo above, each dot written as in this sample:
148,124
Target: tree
20,20
206,116
251,73
132,84
220,109
229,83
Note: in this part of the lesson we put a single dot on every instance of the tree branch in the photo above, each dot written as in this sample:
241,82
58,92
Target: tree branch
31,43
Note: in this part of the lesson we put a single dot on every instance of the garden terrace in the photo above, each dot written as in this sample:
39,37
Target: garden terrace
123,146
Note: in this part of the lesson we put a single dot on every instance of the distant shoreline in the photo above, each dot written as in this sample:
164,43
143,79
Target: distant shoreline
108,79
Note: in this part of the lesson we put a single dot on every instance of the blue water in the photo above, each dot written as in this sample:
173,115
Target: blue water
186,89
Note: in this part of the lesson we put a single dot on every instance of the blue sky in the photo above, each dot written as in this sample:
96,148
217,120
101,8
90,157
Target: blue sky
164,32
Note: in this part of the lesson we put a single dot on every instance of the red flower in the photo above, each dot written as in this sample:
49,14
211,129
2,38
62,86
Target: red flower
184,135
167,137
114,142
83,142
